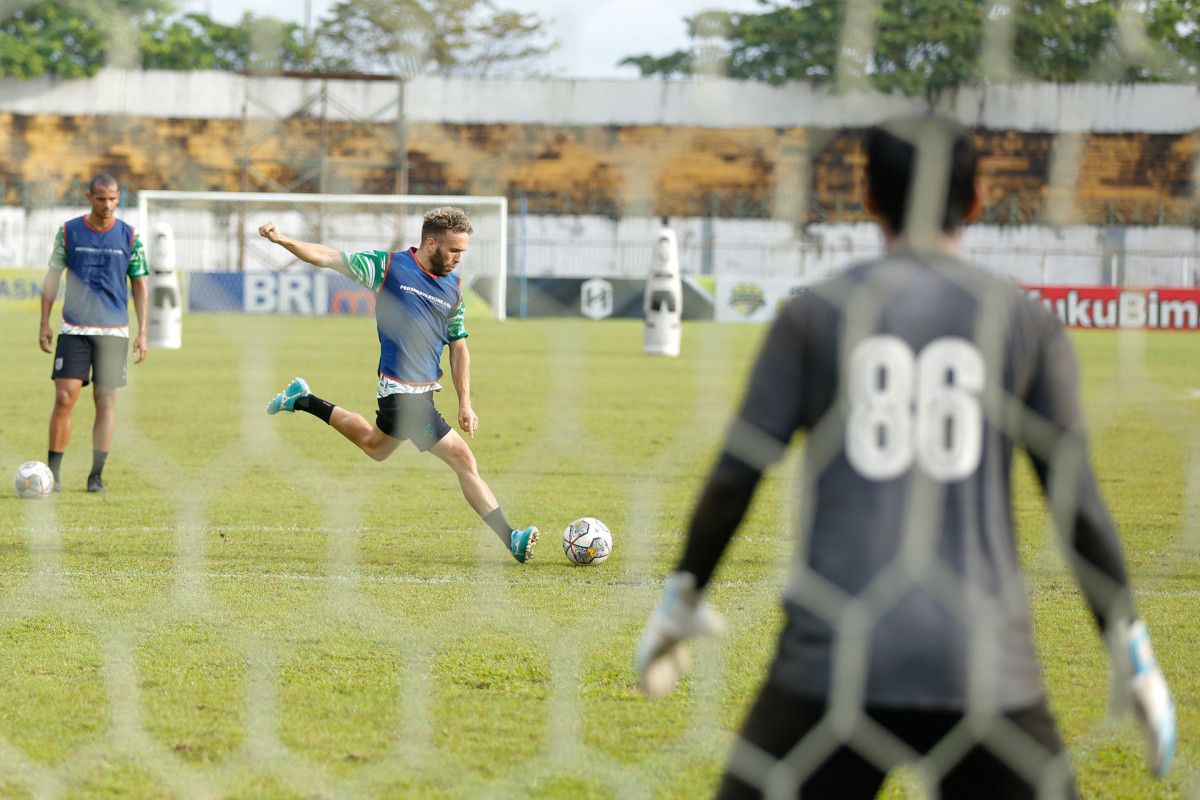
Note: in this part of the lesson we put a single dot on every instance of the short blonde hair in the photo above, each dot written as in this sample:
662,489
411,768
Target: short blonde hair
444,219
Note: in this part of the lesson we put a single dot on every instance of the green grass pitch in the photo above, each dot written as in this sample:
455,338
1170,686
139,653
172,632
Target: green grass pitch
255,609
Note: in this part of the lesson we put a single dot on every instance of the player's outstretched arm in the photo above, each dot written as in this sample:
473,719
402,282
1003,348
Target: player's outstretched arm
319,255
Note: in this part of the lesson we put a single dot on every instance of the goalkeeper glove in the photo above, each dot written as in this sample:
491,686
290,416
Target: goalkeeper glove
1146,689
662,655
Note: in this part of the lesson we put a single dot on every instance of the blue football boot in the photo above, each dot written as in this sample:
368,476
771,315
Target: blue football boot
286,400
522,543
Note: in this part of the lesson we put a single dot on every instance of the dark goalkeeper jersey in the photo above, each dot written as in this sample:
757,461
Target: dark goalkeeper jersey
914,378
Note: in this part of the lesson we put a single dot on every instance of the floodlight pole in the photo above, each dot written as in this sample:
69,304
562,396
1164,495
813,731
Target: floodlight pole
401,128
308,35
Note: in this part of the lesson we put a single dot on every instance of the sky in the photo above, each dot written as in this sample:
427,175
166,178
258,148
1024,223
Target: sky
593,35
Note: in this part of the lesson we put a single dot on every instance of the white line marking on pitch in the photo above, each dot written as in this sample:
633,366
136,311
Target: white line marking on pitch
436,580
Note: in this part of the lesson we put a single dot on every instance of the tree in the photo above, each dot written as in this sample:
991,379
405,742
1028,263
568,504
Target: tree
444,37
1062,41
925,47
783,43
760,42
75,39
1176,25
907,59
69,39
197,41
678,62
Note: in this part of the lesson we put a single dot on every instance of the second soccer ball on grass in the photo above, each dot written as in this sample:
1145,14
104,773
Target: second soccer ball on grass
587,541
33,480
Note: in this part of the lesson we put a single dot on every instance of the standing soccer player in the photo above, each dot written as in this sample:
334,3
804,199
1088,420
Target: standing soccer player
907,631
99,253
419,311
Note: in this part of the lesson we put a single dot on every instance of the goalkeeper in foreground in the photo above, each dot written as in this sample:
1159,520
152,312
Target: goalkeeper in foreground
419,311
907,634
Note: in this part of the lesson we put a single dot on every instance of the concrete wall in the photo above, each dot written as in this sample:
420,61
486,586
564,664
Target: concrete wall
807,174
637,148
699,103
1083,254
592,246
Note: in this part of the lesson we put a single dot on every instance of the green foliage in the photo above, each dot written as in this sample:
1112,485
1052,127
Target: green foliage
907,59
925,47
678,62
766,46
1064,42
1176,25
444,37
76,39
197,41
65,39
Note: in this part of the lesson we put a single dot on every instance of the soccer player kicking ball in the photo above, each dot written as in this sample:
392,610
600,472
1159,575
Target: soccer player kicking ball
419,311
907,634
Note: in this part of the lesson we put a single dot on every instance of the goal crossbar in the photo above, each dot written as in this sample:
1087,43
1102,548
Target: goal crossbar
149,197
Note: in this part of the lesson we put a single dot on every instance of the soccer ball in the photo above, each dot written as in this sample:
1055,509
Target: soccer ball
33,480
587,541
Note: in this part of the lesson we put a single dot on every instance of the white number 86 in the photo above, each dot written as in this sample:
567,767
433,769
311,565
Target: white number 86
905,407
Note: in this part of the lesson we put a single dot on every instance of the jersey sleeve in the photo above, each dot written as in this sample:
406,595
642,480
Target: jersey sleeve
456,327
773,407
368,267
1054,435
771,412
58,256
137,259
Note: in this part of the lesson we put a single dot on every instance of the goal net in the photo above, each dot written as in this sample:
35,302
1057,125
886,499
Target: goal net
257,609
218,231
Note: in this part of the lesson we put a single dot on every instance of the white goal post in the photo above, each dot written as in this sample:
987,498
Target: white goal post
218,231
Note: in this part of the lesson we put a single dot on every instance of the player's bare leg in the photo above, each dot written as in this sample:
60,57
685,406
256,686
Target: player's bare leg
451,448
66,394
106,417
457,454
455,451
296,396
355,427
102,433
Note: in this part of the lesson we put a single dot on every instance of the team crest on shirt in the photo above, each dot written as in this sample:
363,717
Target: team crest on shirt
747,298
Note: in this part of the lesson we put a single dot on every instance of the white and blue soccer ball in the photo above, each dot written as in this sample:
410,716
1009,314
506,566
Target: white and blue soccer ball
587,541
33,480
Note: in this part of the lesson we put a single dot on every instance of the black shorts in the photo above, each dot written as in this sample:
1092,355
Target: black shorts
779,719
411,416
103,359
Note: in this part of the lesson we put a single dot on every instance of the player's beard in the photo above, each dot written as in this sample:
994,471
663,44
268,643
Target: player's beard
440,265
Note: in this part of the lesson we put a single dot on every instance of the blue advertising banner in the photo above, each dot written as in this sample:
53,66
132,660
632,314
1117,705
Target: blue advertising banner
326,293
304,293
